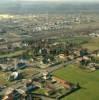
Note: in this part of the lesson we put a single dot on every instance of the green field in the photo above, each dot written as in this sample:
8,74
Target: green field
78,40
93,44
12,54
3,78
89,82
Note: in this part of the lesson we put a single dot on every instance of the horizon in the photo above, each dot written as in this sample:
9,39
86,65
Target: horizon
50,1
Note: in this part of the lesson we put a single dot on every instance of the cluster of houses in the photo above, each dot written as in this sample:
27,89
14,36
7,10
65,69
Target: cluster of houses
89,60
5,16
51,86
94,34
42,55
52,27
11,64
44,22
11,46
45,54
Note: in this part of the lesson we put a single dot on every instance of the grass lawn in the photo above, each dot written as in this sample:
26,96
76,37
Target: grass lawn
3,78
89,82
93,44
39,91
75,40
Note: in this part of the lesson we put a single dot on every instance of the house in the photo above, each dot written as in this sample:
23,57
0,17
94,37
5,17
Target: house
15,76
97,66
2,31
94,35
6,67
12,94
62,56
3,48
46,75
2,39
95,53
49,91
8,94
85,60
76,53
16,45
38,84
21,65
3,67
30,86
91,66
83,52
22,92
64,83
70,57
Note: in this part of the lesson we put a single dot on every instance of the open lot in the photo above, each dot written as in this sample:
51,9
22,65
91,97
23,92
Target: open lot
89,81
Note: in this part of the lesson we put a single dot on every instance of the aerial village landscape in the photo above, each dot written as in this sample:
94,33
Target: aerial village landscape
49,55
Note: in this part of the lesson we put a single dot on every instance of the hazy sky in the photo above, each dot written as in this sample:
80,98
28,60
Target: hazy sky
55,0
62,0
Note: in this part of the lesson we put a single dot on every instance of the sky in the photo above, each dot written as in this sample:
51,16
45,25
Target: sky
63,0
55,0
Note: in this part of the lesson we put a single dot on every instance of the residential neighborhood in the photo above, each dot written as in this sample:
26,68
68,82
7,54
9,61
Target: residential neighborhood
49,50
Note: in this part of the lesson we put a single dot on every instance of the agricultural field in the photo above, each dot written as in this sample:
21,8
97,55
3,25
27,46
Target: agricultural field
89,81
